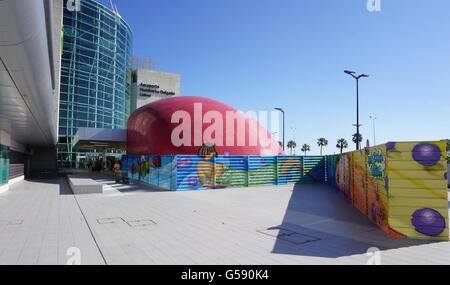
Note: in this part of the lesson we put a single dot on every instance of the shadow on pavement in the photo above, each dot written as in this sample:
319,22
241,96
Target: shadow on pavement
320,222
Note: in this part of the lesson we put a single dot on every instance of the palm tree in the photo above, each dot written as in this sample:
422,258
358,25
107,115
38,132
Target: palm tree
322,142
306,148
292,145
357,139
342,144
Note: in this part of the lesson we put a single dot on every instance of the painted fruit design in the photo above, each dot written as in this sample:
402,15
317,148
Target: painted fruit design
390,146
428,222
426,154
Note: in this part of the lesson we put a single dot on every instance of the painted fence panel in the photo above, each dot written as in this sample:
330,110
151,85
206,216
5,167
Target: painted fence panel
196,173
331,162
399,186
289,170
231,171
262,170
193,172
314,169
418,196
151,169
359,194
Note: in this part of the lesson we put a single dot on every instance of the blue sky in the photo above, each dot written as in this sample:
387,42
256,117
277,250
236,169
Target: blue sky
260,54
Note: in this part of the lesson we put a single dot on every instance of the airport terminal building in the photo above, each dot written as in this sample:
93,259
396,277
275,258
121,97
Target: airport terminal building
95,55
101,83
30,63
65,70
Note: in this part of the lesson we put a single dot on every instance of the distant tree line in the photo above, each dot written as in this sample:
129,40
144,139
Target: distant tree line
322,143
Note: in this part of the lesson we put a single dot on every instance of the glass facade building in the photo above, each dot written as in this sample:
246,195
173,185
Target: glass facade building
95,59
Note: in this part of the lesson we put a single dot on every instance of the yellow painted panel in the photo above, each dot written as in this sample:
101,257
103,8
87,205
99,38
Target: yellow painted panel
418,203
407,212
404,222
407,156
412,187
417,174
412,233
409,146
426,185
418,193
411,165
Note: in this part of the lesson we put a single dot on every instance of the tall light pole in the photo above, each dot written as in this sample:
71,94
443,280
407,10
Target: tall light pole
374,118
293,129
357,77
284,137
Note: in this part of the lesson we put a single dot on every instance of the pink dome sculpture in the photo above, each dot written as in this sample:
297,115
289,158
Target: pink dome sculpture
182,124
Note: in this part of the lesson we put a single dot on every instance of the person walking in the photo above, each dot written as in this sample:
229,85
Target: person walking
116,169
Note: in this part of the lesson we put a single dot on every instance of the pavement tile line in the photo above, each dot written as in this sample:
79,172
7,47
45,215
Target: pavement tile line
204,227
90,230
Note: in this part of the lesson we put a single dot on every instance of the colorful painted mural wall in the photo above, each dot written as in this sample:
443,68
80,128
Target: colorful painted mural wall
155,170
402,187
194,172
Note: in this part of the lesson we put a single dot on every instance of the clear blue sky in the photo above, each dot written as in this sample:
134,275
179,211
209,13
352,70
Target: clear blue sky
259,54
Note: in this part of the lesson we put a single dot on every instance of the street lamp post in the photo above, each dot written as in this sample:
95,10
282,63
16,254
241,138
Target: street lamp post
284,137
374,118
357,77
293,129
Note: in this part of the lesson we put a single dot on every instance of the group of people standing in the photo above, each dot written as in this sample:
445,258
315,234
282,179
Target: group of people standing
99,164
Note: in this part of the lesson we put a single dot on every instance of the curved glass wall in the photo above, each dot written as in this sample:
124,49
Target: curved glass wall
96,51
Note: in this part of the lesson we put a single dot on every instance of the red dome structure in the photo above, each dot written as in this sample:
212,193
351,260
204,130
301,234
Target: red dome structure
181,125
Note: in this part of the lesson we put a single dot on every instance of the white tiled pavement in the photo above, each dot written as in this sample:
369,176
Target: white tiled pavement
135,224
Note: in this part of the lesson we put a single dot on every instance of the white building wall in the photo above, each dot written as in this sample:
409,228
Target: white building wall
154,85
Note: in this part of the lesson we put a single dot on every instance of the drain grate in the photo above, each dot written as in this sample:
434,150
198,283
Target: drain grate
299,239
276,232
120,220
11,222
141,223
15,222
106,221
288,235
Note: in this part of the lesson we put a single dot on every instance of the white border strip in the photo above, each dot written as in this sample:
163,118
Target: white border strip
15,180
5,187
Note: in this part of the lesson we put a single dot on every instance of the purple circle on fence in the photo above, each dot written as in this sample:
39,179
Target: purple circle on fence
390,146
426,154
428,222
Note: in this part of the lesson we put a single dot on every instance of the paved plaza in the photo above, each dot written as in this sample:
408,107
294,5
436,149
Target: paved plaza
135,224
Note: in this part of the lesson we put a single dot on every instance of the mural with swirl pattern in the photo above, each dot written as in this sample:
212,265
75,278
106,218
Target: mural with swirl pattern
400,186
